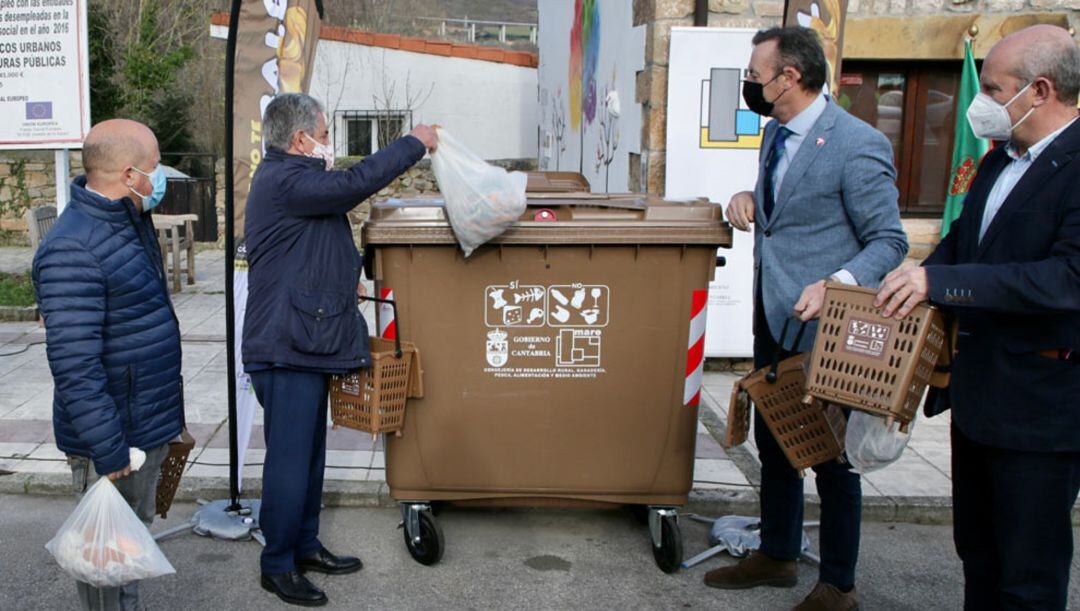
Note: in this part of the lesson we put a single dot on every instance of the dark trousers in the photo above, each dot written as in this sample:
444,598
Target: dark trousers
294,426
1012,522
839,487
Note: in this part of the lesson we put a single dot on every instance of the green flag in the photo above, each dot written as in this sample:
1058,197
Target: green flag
967,149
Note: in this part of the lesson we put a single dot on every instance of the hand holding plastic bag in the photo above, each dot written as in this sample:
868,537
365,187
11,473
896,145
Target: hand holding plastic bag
103,543
871,444
482,200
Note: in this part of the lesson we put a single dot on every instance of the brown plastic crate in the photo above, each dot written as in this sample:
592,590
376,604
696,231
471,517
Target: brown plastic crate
172,469
808,433
738,418
373,400
943,369
868,362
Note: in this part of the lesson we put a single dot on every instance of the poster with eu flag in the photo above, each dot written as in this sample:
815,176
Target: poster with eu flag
44,74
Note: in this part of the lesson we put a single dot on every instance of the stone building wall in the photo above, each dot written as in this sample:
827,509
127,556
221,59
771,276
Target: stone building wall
28,180
659,16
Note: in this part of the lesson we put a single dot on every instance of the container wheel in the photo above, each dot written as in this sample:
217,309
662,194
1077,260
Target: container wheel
669,554
429,550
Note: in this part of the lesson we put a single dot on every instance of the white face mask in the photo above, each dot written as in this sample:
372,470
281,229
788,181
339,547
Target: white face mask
322,151
990,119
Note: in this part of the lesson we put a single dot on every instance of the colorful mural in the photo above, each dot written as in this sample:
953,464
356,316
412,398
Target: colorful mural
590,53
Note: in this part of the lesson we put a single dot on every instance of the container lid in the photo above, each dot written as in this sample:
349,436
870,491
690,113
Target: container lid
556,182
563,218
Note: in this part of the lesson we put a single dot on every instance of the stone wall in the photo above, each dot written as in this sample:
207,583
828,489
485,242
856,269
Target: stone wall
28,180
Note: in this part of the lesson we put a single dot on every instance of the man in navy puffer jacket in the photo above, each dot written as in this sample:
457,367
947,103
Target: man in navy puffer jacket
302,321
113,341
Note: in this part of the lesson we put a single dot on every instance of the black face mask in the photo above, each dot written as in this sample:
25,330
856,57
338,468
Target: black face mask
753,94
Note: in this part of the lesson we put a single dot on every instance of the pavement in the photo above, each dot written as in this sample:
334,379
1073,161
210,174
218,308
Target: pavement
498,559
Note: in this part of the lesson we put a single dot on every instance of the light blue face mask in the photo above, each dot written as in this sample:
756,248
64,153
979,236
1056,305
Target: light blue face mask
158,180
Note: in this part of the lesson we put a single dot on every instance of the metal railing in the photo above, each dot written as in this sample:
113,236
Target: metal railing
470,27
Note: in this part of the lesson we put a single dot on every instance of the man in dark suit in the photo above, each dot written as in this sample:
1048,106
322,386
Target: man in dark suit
302,321
1009,270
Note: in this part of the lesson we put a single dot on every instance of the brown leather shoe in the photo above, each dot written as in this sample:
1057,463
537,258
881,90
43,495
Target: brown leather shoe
827,597
755,570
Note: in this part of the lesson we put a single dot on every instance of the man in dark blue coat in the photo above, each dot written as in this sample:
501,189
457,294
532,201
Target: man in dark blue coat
302,321
112,337
1009,270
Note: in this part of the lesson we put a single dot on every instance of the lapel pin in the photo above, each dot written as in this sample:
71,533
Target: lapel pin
820,142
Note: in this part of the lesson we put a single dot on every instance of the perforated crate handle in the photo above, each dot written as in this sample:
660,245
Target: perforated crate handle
397,336
770,376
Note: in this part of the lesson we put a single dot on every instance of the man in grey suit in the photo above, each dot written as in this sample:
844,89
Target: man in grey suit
825,207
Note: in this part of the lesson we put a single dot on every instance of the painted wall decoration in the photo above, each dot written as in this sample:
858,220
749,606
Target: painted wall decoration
590,53
724,123
827,18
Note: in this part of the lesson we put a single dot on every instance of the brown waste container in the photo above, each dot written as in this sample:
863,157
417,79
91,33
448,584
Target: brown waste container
555,357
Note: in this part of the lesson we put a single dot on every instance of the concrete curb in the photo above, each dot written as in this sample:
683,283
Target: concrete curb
342,493
18,313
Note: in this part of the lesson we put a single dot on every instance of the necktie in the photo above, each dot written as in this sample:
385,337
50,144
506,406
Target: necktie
775,154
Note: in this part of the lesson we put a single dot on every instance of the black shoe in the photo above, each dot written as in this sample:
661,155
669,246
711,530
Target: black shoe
294,589
323,561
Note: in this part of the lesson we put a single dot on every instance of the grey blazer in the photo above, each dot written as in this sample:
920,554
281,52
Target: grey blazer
836,209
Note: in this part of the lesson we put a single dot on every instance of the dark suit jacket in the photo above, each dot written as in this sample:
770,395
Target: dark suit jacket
1015,293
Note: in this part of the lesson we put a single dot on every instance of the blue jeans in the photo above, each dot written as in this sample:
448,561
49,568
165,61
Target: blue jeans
839,487
294,425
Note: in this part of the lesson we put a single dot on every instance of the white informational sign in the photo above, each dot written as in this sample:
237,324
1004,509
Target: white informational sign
712,151
44,74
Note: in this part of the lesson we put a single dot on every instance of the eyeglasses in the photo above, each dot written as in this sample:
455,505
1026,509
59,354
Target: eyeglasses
750,75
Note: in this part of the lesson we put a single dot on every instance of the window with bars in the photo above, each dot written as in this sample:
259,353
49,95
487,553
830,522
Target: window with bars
366,131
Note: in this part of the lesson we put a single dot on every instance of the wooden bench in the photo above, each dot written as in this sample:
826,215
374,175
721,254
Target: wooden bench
171,240
39,221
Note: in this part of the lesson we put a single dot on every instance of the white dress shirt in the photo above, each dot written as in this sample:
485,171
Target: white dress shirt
800,126
1011,175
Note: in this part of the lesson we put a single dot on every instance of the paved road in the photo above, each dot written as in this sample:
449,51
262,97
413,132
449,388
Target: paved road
494,559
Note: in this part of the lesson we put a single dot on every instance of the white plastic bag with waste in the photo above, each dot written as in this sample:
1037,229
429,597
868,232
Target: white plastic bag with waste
103,543
871,444
482,200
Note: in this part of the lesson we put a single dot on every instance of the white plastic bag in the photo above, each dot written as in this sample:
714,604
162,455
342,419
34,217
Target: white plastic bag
871,444
482,200
103,543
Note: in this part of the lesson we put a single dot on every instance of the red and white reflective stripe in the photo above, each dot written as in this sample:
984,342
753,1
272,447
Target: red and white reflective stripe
695,352
387,324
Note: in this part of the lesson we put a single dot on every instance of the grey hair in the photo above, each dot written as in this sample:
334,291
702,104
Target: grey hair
1054,60
288,113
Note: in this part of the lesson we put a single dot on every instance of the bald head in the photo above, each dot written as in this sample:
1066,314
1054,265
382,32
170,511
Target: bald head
111,146
1040,51
118,155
